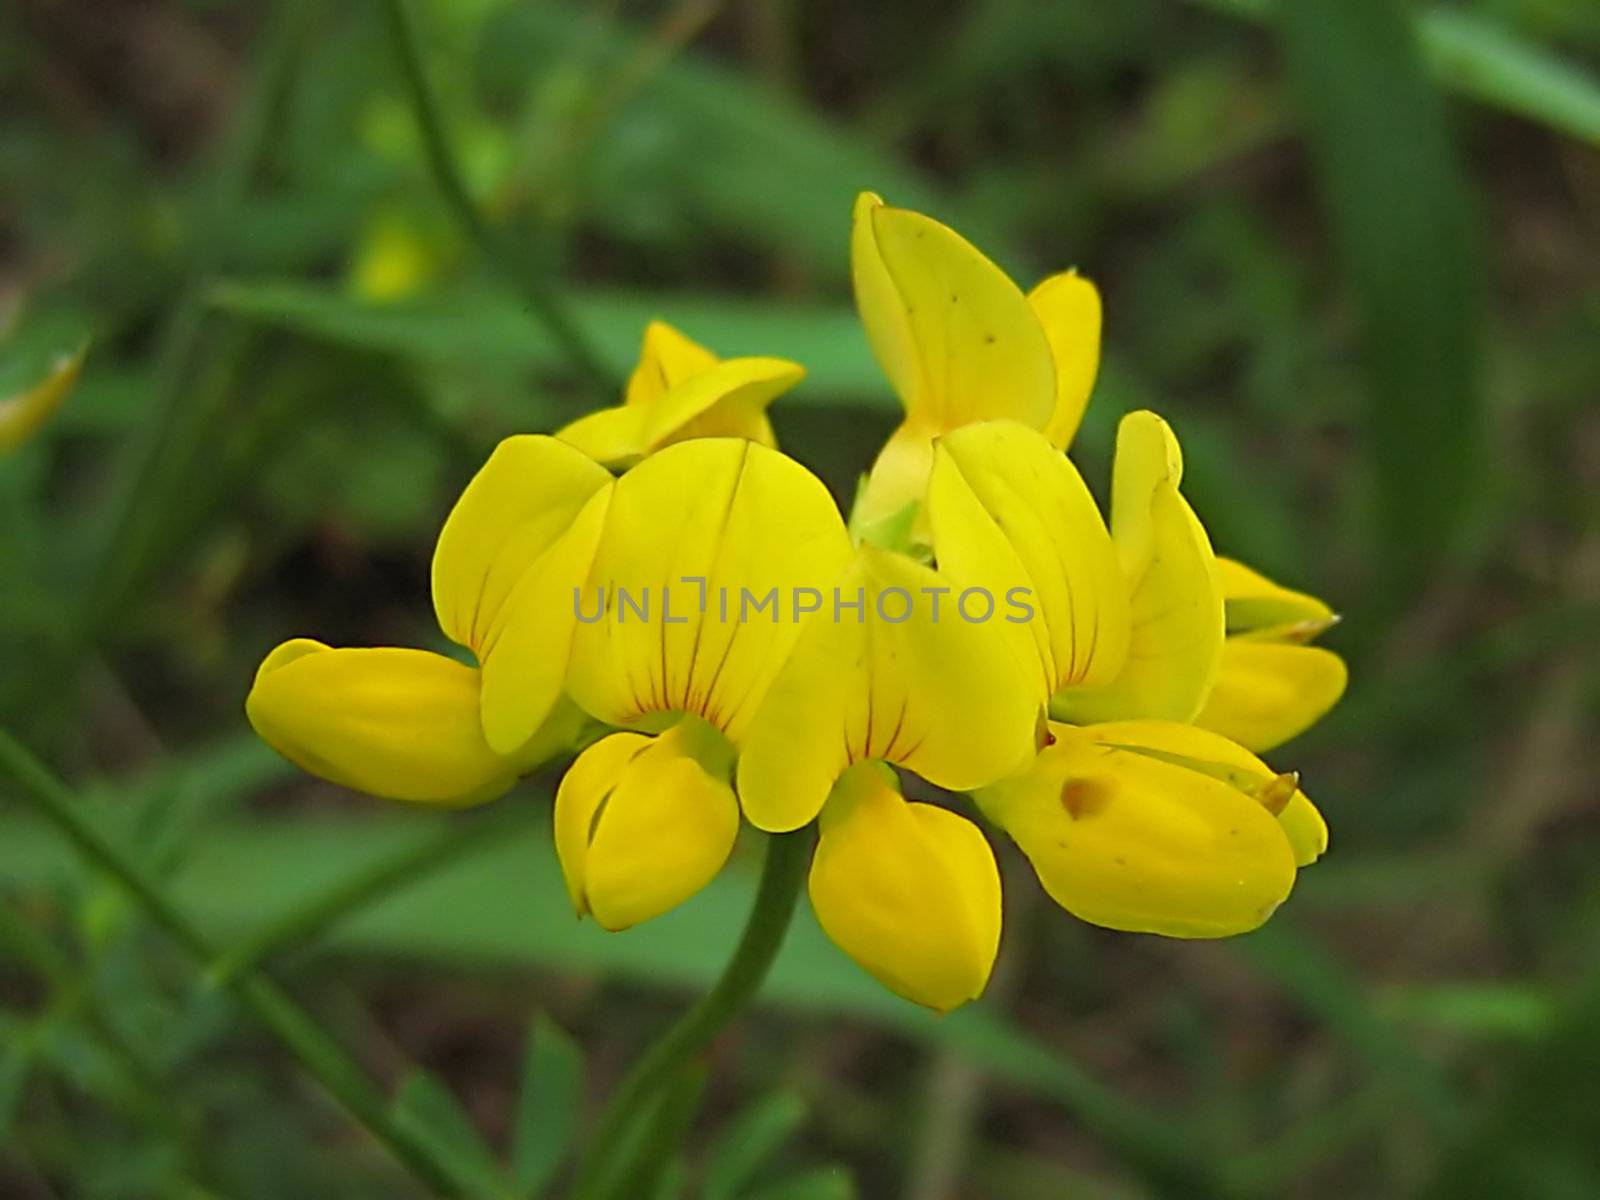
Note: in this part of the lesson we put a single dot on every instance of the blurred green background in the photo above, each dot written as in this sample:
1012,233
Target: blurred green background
1350,249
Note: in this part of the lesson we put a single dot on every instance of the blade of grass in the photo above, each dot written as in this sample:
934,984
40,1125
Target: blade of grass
430,1110
1481,59
642,1159
748,1141
1397,206
180,410
1326,989
547,1107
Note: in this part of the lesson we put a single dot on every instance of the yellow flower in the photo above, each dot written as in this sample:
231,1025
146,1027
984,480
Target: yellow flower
21,415
405,724
685,614
1130,623
1158,827
400,253
960,343
1132,817
709,608
962,346
901,677
1270,685
680,390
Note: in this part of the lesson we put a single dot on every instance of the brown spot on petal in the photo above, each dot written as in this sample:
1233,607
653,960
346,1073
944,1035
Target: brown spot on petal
1084,798
1275,796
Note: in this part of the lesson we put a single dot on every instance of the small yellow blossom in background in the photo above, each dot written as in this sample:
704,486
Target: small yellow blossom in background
401,252
22,414
1099,688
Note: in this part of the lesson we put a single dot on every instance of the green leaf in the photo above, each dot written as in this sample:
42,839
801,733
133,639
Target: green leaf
1481,59
821,1183
644,1163
749,1140
548,1107
430,1110
1492,1010
1395,200
486,328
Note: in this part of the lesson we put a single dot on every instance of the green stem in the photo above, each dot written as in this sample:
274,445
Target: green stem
764,931
311,920
498,253
318,1052
140,499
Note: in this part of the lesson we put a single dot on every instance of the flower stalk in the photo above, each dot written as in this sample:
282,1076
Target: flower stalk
764,931
498,252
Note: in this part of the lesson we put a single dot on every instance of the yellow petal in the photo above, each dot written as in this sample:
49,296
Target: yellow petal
979,352
895,680
1007,511
1306,830
397,723
527,649
1268,692
614,436
22,414
727,399
643,823
883,316
1213,754
1128,841
588,783
1255,604
711,551
1068,308
1176,597
955,336
666,359
517,505
910,891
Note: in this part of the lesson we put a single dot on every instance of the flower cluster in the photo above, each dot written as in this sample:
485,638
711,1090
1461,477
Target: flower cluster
1108,718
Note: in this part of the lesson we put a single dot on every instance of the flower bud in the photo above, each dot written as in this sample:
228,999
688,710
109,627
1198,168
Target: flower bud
1156,827
392,722
910,891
